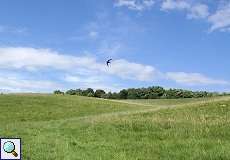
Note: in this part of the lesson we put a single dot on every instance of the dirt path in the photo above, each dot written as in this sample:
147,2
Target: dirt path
104,116
224,98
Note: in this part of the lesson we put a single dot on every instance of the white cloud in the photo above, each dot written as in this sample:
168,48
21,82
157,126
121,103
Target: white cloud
175,4
148,3
198,11
31,58
18,84
194,10
128,69
138,5
78,79
81,71
35,59
220,20
95,82
194,79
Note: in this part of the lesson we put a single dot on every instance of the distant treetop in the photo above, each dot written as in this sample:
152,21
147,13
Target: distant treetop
154,92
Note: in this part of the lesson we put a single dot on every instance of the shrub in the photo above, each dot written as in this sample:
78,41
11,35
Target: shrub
58,92
99,93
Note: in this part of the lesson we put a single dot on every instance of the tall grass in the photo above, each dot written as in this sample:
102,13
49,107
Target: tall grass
71,127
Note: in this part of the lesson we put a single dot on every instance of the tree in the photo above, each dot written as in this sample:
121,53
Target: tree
132,94
87,91
99,93
108,96
90,95
154,92
58,92
187,94
79,92
123,94
153,95
71,92
115,95
159,91
169,94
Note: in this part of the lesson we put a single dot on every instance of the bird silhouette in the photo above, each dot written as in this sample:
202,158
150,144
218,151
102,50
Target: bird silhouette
108,62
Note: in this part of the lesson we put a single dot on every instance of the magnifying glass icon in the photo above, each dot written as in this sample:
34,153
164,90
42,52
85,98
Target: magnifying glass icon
9,147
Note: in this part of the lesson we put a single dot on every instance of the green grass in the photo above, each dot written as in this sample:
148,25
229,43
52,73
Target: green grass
72,127
170,102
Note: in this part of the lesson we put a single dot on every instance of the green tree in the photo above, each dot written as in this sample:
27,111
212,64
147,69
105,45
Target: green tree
132,94
99,93
58,92
87,91
71,92
123,94
90,95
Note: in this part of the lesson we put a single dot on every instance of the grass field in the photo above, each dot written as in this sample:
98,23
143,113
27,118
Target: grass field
80,128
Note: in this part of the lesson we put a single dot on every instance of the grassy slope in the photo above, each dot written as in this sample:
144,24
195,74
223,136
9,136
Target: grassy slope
70,127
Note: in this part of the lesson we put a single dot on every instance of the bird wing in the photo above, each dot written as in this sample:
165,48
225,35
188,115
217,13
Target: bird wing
108,61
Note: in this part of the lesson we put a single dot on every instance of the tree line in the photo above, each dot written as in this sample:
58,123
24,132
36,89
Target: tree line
155,92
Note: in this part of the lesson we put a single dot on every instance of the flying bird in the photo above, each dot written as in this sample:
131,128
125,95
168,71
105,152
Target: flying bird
108,62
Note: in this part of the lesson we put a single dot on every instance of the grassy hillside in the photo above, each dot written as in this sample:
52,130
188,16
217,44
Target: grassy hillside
71,127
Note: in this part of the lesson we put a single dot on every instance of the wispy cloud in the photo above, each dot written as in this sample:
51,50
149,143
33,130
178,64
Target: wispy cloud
81,71
174,4
109,49
194,10
198,11
14,83
194,79
128,69
92,81
220,20
13,30
109,38
35,59
138,5
78,79
84,70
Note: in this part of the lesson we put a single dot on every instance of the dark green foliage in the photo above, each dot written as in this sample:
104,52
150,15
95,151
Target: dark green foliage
154,92
58,92
90,95
99,93
132,94
78,92
71,92
115,95
123,94
108,96
88,91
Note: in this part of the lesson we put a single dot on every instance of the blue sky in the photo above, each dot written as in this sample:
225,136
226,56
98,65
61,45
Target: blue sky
48,45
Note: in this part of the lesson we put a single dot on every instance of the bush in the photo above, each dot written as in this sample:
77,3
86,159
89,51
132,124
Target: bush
87,92
71,92
90,95
99,93
58,92
123,94
154,92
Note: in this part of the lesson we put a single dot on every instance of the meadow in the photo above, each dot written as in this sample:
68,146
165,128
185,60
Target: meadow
62,127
